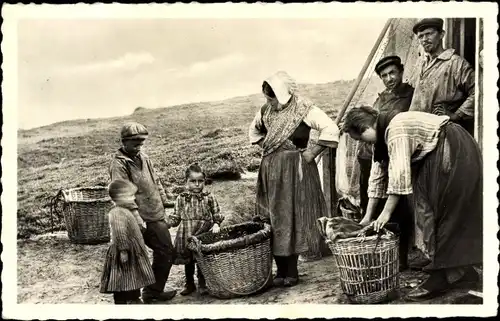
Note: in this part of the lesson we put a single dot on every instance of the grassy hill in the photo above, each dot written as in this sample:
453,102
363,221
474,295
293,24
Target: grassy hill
77,153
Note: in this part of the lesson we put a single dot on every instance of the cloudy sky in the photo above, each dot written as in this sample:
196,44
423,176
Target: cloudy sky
72,69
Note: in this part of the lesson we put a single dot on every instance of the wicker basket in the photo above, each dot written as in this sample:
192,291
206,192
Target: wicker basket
235,262
368,266
85,212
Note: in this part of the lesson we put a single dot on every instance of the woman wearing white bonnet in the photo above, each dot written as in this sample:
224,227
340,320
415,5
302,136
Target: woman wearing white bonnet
288,189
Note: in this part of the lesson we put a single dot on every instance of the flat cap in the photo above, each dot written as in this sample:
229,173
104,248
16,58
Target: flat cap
428,23
387,61
134,131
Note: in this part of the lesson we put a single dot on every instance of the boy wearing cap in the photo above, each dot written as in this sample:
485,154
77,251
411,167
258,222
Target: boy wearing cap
131,164
445,81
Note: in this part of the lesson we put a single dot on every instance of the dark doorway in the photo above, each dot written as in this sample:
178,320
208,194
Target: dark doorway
470,41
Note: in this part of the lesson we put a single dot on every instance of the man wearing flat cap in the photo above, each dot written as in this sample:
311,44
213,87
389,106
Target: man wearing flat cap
396,98
131,164
445,81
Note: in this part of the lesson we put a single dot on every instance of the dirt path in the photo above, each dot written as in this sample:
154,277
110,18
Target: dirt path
52,270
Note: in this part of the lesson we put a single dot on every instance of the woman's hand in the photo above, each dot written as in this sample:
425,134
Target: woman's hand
215,228
366,220
308,156
124,257
380,222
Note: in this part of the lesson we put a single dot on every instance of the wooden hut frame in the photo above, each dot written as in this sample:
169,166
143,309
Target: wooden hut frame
464,35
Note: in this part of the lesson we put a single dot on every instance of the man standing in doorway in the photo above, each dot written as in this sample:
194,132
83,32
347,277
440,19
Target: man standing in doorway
396,97
131,164
445,81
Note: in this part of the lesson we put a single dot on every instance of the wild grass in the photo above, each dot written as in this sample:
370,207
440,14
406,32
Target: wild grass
77,153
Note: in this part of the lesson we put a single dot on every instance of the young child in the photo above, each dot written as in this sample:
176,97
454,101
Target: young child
195,212
127,268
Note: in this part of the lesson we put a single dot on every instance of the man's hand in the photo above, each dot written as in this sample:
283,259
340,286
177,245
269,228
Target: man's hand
440,110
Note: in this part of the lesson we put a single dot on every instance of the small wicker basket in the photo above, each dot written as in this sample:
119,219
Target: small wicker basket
368,266
235,262
85,212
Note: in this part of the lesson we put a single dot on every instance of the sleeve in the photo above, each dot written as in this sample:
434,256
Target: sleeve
466,79
118,170
175,219
255,133
377,183
158,183
329,133
215,208
118,223
400,150
376,104
137,217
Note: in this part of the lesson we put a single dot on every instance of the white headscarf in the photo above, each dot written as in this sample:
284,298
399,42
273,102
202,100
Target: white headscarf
283,86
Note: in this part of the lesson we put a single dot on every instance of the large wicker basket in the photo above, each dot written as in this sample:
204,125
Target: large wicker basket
368,266
235,262
85,212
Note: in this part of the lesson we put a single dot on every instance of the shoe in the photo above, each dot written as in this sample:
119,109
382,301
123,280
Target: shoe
289,282
422,294
470,279
149,297
188,289
278,281
136,301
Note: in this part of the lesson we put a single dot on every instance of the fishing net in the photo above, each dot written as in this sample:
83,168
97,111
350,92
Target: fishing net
398,40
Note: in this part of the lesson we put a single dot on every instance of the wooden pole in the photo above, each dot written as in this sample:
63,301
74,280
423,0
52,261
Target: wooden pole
328,156
363,71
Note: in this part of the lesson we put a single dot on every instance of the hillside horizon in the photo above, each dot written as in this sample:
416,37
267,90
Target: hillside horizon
76,153
83,119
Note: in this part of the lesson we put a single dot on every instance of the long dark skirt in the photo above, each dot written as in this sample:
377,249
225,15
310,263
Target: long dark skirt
293,202
447,202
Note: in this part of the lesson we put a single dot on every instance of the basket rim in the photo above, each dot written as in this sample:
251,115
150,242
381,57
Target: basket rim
264,233
65,193
360,239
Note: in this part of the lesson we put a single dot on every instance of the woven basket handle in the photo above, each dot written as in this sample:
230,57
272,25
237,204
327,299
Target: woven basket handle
197,245
60,196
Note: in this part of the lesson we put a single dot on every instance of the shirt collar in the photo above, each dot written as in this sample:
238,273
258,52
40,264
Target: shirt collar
404,90
123,153
445,55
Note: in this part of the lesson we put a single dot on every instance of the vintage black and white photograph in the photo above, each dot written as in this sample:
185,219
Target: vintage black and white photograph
322,156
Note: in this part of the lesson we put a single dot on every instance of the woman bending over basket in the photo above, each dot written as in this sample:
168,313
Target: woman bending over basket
438,165
288,187
195,212
127,268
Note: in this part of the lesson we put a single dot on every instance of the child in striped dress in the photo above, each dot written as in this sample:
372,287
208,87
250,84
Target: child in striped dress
195,212
127,268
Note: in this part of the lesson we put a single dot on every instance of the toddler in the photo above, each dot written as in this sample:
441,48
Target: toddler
127,268
195,212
